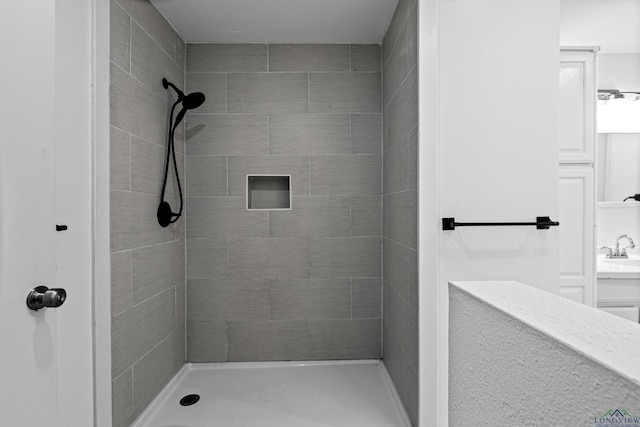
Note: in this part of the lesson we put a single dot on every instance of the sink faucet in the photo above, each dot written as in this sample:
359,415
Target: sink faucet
617,251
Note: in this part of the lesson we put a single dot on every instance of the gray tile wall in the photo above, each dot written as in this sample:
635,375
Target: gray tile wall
298,284
147,261
399,157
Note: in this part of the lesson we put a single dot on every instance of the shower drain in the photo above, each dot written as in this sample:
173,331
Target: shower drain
190,399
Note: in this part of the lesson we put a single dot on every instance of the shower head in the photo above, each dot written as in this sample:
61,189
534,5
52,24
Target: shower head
193,100
190,101
186,107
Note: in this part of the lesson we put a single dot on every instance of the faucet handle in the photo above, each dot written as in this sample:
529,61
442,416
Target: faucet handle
609,250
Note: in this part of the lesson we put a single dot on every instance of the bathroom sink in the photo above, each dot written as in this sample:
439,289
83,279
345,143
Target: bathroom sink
629,262
621,268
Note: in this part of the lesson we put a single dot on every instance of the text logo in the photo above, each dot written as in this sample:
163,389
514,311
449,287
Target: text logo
616,418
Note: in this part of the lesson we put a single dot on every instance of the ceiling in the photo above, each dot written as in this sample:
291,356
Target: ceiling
614,25
611,24
279,21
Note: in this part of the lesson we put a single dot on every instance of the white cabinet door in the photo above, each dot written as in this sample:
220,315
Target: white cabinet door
577,266
577,106
629,313
576,146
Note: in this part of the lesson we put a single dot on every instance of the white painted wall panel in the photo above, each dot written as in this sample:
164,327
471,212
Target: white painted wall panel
498,138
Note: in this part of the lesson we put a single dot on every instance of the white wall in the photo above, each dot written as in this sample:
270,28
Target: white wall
488,116
101,212
615,219
74,251
521,356
612,25
498,129
432,338
82,252
619,71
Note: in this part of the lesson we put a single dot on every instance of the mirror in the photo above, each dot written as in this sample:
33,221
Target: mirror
618,167
618,127
611,25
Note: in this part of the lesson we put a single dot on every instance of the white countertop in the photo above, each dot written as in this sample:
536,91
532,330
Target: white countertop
618,268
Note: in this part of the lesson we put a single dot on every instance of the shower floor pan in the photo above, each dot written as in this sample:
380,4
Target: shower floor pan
279,394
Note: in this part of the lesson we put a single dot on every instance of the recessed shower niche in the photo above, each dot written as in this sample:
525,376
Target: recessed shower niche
268,191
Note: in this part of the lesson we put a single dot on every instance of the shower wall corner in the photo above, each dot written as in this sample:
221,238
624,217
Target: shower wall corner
147,261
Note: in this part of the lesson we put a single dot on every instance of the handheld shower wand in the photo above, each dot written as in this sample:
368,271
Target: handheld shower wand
189,102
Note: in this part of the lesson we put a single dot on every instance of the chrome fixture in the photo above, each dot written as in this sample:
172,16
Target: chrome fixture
41,297
617,251
609,94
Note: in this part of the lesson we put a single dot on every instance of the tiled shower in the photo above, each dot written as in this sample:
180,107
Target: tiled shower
334,276
298,284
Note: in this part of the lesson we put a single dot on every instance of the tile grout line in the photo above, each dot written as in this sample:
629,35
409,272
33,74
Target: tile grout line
308,92
137,81
145,139
133,20
270,281
382,202
130,259
309,174
130,40
166,337
130,161
351,297
351,134
350,216
133,403
395,93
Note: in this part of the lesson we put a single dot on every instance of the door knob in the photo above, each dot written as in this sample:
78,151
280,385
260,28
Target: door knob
41,296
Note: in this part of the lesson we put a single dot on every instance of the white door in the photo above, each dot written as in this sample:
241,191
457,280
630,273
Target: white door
28,362
577,185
